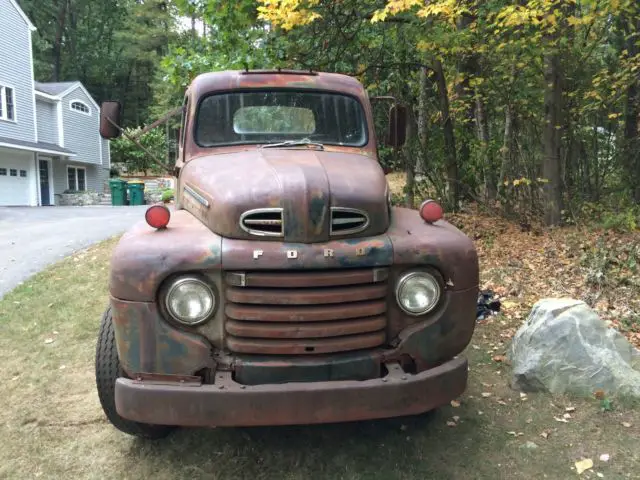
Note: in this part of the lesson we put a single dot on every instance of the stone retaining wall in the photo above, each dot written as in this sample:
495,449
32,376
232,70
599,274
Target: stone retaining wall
78,199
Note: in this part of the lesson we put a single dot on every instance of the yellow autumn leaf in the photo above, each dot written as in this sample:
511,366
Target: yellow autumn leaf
573,20
509,304
583,465
613,115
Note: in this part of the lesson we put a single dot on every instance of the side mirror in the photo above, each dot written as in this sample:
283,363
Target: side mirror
397,126
110,119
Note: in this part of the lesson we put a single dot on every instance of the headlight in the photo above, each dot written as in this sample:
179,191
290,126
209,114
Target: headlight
190,301
418,293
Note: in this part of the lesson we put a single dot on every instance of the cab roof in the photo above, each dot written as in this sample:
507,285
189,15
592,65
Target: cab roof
260,79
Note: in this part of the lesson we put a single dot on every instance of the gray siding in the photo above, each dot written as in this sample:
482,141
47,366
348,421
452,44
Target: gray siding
60,175
15,71
103,178
47,121
81,131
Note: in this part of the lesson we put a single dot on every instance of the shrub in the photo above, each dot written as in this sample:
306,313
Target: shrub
168,195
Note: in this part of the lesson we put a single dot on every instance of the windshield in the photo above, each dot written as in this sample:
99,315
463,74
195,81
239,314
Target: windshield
280,116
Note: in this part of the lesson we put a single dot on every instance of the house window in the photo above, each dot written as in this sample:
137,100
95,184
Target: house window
80,106
7,103
23,173
3,172
13,172
76,179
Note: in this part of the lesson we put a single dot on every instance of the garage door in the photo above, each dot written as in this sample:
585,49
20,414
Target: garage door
15,177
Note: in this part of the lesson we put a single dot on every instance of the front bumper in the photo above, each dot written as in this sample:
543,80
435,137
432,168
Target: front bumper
227,403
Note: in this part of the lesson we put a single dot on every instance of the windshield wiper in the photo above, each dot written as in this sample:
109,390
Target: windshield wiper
294,143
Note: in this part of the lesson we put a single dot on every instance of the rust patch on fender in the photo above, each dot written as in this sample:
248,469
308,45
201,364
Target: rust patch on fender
144,257
146,343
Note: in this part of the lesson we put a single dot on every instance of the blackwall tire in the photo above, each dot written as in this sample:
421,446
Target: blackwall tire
107,371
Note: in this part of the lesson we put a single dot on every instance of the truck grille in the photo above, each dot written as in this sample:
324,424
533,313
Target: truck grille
305,313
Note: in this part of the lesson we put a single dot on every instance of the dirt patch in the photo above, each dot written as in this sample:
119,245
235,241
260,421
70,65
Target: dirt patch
52,426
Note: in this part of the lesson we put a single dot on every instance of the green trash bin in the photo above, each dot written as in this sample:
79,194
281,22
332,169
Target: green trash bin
136,192
118,189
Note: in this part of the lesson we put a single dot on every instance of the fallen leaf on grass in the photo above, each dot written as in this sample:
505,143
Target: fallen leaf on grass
545,434
518,434
486,394
507,304
559,419
452,424
48,340
626,424
499,358
566,415
455,418
600,475
523,395
529,420
604,457
501,402
570,409
583,465
455,403
480,412
599,394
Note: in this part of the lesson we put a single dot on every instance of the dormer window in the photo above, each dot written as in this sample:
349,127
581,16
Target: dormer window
80,106
7,104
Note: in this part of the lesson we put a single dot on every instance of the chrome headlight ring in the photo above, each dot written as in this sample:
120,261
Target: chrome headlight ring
190,300
418,292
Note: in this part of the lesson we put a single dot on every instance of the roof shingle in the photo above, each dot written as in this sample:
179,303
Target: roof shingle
53,88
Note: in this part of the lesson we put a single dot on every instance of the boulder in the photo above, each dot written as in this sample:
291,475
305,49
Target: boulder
565,348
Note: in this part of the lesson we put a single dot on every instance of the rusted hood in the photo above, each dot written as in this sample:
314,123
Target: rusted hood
304,183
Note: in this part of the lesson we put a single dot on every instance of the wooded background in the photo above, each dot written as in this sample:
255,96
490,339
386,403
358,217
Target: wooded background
529,108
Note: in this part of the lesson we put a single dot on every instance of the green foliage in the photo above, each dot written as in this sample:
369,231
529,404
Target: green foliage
113,47
446,59
621,217
606,405
626,221
124,151
168,195
609,263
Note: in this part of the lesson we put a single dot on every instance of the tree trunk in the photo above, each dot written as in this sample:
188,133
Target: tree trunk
410,149
57,44
631,149
467,68
506,167
423,122
490,177
449,137
551,169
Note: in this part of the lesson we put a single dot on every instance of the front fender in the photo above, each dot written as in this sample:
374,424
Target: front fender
144,257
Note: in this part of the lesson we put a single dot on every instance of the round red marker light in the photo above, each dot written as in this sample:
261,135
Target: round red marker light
157,216
431,211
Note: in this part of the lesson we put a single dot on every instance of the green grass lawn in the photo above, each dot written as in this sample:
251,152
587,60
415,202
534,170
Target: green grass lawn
51,424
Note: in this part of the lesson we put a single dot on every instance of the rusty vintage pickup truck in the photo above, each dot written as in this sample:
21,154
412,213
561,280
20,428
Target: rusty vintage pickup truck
283,288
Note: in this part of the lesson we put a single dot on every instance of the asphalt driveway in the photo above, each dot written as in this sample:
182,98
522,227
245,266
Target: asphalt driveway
33,237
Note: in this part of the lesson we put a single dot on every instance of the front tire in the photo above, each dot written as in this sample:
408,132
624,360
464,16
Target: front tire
108,370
